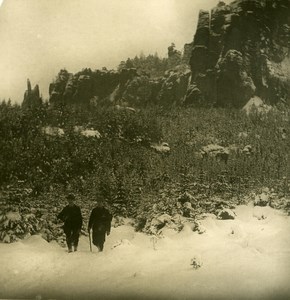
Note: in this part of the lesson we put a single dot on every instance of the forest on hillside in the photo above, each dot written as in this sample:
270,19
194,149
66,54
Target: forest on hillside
44,155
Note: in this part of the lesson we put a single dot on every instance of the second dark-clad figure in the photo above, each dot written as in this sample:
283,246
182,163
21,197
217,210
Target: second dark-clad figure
100,223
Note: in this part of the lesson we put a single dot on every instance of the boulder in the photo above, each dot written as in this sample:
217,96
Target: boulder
91,133
226,214
256,105
248,150
262,200
193,96
161,148
87,132
53,131
158,223
216,151
125,108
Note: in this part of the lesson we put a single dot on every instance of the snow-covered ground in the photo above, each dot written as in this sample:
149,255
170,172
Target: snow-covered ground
245,258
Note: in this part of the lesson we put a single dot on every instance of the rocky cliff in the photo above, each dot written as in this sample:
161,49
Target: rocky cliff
126,87
241,50
31,96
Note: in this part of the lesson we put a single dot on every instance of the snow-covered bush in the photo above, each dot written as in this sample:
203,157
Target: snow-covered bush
196,262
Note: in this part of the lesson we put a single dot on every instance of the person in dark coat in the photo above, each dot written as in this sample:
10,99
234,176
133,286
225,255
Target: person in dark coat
100,222
72,217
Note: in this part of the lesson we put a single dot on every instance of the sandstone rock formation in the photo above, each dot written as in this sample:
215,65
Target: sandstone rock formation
83,87
124,88
241,50
32,98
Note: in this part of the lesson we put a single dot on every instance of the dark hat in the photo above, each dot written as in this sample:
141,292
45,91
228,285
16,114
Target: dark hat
70,197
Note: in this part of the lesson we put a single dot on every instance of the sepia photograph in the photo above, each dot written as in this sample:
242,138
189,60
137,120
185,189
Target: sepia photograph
145,149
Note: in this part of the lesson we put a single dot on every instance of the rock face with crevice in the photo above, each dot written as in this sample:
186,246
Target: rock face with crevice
242,50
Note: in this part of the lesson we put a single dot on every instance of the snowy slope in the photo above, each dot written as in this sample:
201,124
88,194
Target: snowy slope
245,258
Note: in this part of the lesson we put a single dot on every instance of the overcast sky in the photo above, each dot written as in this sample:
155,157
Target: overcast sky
39,37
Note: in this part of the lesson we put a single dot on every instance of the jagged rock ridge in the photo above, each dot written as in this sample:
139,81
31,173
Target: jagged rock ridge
239,51
125,87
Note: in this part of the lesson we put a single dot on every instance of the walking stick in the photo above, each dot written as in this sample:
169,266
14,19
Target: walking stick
90,240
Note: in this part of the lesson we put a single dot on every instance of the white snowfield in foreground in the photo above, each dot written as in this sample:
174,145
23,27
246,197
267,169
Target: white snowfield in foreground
245,258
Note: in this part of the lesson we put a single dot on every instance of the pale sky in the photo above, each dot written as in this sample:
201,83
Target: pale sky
39,37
